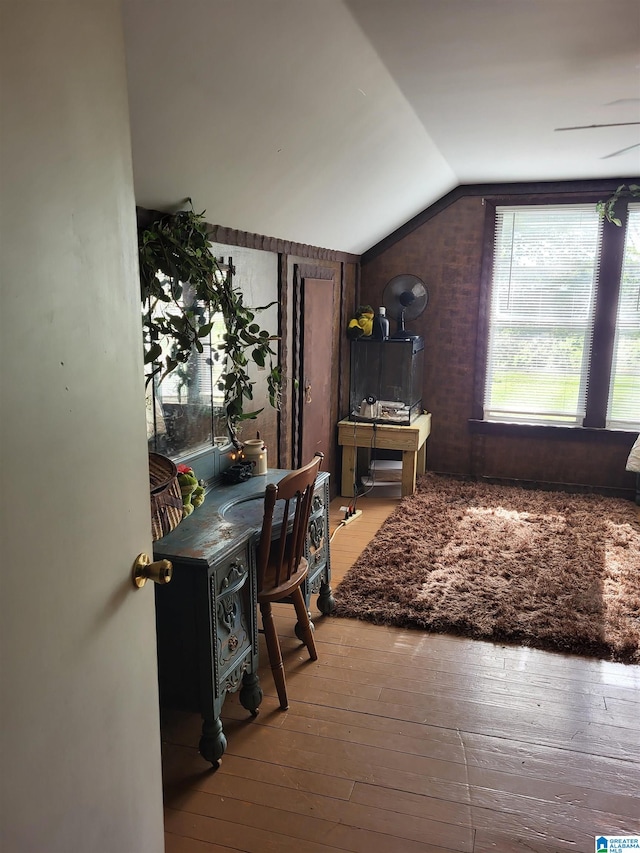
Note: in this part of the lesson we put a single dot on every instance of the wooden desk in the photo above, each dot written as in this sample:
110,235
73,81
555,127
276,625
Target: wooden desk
411,440
206,618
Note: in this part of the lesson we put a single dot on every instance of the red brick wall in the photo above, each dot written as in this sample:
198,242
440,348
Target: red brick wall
446,253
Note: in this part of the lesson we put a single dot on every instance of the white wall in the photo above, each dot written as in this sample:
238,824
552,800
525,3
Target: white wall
276,117
80,735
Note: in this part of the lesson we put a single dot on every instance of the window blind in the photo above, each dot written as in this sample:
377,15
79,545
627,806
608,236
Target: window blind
624,390
541,313
196,382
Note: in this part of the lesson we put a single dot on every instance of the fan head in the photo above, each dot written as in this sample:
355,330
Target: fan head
405,297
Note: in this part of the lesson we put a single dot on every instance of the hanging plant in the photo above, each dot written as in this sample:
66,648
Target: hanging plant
182,287
607,207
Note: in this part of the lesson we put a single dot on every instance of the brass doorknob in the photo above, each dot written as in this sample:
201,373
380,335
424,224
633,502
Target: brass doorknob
144,570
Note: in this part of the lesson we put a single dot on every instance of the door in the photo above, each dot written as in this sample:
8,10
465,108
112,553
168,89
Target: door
79,699
314,340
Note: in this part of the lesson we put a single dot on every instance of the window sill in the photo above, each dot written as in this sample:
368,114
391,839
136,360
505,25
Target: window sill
547,432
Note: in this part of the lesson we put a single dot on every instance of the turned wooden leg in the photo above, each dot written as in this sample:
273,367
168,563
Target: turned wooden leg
251,693
305,626
297,628
326,601
212,742
275,656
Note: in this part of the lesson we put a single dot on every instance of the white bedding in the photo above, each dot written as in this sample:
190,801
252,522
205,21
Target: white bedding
633,462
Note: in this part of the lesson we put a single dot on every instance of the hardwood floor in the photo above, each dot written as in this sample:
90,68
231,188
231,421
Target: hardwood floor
399,741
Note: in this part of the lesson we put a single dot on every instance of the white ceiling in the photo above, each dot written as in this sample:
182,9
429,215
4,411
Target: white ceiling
333,122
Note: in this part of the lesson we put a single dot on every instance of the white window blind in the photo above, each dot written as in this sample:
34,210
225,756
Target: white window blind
624,390
541,313
196,382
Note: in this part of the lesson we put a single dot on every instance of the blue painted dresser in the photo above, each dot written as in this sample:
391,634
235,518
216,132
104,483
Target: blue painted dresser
207,625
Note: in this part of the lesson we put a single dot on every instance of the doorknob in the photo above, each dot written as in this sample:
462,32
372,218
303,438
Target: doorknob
144,570
307,391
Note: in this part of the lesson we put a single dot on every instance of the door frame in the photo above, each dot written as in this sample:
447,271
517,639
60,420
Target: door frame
300,273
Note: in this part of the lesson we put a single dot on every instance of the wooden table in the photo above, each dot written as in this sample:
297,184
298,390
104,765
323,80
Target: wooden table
411,440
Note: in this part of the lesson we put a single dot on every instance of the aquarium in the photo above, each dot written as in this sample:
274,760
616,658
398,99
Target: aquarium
386,380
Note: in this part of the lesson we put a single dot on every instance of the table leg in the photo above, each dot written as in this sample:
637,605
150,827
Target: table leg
326,602
213,742
348,471
408,472
251,693
422,458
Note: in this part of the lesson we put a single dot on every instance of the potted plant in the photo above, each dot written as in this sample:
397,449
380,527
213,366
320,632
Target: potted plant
182,287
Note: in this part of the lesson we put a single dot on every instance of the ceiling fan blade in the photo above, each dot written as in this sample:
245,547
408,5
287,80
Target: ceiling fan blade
622,101
621,151
591,126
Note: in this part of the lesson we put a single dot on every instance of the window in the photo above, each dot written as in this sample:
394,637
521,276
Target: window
623,408
185,411
557,353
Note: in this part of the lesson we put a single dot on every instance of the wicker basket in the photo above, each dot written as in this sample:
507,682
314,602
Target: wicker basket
166,498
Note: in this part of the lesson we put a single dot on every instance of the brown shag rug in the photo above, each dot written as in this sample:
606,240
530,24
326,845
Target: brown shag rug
545,569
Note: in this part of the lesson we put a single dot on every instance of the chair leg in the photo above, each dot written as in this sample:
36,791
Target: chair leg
306,631
275,656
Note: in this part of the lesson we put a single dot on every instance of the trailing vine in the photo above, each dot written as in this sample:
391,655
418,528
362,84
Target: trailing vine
607,207
182,287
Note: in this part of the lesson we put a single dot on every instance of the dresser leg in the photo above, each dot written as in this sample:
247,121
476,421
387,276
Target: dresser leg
251,692
213,742
326,601
297,628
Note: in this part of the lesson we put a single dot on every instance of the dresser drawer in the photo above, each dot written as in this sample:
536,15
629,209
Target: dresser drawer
231,605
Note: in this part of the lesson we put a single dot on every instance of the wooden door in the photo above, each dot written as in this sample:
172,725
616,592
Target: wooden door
313,424
79,701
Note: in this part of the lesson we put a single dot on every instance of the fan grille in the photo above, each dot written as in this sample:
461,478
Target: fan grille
405,296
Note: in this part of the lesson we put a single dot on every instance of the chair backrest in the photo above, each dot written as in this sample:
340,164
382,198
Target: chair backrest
287,549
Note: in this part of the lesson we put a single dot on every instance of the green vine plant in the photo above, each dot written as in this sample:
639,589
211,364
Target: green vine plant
607,207
182,287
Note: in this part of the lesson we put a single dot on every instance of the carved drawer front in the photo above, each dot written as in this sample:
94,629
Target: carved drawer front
231,634
317,545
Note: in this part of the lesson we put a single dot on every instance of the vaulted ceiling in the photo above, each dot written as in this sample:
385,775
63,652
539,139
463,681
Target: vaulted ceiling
333,122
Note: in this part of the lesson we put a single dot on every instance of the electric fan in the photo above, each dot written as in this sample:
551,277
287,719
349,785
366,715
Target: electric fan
405,297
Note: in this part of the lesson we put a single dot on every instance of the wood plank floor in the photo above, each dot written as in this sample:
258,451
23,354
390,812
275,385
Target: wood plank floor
399,741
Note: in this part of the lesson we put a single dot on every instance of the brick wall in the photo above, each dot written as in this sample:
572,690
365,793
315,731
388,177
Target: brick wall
446,253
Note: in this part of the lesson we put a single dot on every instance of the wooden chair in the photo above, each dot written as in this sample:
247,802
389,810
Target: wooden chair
282,566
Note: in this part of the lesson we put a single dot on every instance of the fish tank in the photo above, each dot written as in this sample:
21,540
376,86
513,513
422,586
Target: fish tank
386,380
